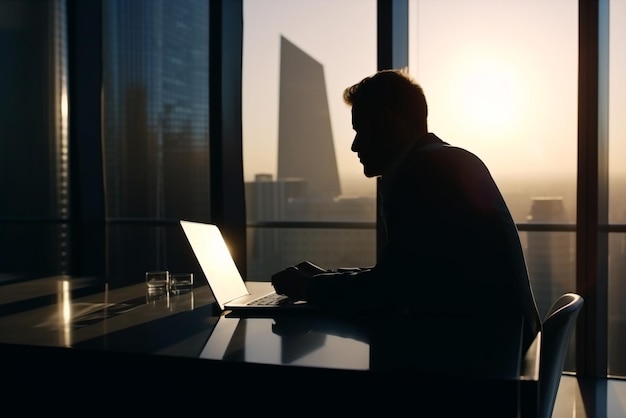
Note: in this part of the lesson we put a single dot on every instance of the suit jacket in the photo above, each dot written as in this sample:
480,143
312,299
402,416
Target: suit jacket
451,247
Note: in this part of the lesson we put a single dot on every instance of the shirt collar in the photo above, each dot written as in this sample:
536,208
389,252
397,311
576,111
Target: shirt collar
427,141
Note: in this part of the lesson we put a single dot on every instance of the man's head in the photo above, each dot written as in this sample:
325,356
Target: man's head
389,112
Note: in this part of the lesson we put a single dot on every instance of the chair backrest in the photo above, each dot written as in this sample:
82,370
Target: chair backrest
558,326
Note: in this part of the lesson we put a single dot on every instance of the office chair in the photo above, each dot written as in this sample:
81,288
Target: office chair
558,326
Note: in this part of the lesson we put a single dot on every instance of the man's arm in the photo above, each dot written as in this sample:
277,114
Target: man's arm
341,289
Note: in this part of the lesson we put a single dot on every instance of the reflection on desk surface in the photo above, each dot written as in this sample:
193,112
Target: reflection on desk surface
438,345
268,341
73,312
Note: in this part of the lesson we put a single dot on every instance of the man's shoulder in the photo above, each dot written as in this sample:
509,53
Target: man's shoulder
433,152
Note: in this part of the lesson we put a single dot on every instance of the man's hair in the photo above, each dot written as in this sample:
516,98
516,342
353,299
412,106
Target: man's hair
390,91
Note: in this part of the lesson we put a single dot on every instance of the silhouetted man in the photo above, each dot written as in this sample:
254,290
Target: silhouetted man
451,247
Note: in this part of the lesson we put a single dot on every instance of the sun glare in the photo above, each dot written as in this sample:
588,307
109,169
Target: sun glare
491,94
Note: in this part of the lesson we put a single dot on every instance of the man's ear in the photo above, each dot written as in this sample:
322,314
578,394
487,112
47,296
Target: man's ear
387,122
397,128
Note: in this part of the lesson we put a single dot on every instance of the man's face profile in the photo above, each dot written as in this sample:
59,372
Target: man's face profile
369,142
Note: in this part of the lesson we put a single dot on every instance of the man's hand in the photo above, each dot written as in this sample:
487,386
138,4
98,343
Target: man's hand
310,268
293,281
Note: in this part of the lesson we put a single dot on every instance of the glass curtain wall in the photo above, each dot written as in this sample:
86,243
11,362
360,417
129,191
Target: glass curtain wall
155,131
34,166
306,196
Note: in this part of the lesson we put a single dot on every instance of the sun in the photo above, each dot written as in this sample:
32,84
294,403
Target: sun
491,94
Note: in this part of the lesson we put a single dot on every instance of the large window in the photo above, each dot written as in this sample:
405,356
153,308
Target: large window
501,81
34,165
155,129
298,57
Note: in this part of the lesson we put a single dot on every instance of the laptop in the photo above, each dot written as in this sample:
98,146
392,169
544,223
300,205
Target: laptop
228,286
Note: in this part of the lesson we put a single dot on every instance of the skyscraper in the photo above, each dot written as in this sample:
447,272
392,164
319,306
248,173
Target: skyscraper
305,139
155,126
156,106
617,290
550,259
550,255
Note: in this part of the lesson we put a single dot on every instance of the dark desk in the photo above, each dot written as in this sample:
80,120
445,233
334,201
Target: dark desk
73,338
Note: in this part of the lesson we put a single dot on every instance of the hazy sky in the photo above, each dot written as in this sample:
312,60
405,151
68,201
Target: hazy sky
500,76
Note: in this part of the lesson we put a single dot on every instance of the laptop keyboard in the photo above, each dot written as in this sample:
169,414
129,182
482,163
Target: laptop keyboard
271,299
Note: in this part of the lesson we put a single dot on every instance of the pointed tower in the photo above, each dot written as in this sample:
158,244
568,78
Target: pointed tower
305,140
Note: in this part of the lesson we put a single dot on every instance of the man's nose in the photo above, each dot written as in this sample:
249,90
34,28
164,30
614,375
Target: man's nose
354,147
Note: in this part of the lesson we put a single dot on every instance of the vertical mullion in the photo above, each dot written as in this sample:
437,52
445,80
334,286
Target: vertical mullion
591,247
602,239
226,155
392,52
86,159
392,34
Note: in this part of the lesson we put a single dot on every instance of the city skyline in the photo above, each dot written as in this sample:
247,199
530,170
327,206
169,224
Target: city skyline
297,162
503,92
